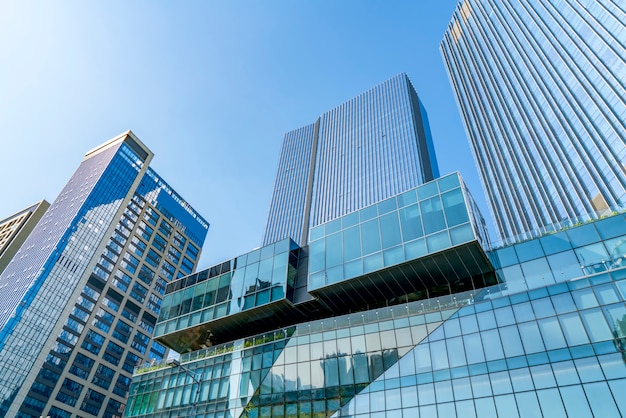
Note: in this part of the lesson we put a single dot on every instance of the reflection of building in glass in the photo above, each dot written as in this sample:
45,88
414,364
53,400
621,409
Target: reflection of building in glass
396,306
540,86
15,229
80,299
549,341
367,149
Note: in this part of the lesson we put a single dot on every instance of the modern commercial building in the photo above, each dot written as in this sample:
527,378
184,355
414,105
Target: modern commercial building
540,86
369,148
410,315
15,229
80,299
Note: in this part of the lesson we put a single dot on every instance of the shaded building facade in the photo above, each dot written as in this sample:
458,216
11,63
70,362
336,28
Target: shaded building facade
80,299
16,228
540,88
371,147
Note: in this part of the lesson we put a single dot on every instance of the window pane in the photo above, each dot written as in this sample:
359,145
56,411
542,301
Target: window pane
390,230
432,212
370,236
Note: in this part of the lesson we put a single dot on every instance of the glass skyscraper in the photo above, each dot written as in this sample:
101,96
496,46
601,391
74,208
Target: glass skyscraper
371,147
541,89
80,299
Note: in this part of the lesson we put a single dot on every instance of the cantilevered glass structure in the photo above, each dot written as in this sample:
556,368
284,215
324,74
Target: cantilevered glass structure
540,87
80,299
548,340
367,149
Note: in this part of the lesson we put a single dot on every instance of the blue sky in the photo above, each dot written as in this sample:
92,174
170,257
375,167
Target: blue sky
210,87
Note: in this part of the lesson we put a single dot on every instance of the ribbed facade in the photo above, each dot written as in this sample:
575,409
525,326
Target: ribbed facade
540,86
371,147
288,208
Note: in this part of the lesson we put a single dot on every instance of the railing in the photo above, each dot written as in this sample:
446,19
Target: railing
558,226
220,349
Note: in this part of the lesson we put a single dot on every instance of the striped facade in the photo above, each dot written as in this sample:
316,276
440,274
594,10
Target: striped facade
371,147
80,299
540,86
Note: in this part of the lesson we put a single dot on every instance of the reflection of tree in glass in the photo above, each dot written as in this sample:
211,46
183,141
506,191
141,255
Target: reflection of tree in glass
618,253
619,332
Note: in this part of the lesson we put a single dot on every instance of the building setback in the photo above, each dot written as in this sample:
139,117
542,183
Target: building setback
540,87
371,147
15,229
80,299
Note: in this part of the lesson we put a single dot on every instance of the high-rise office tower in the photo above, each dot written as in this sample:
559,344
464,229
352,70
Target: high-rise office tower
16,228
80,299
541,89
371,147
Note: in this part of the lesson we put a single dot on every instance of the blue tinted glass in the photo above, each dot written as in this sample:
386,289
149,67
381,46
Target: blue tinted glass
506,256
407,198
372,263
555,243
334,274
316,256
575,401
371,236
454,206
411,223
565,266
551,404
592,254
537,273
617,251
353,269
350,220
461,234
432,215
369,212
333,250
529,250
351,243
583,235
333,226
387,206
611,227
600,399
316,233
449,182
415,249
427,190
390,230
438,241
393,256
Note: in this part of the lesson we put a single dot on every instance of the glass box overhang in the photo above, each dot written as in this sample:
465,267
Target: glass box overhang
427,237
240,291
463,267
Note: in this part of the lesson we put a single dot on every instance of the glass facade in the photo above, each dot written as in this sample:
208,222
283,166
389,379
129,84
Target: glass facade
82,296
371,147
520,348
425,220
540,86
256,279
548,340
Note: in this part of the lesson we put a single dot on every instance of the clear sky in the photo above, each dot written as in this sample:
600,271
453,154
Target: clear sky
210,87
